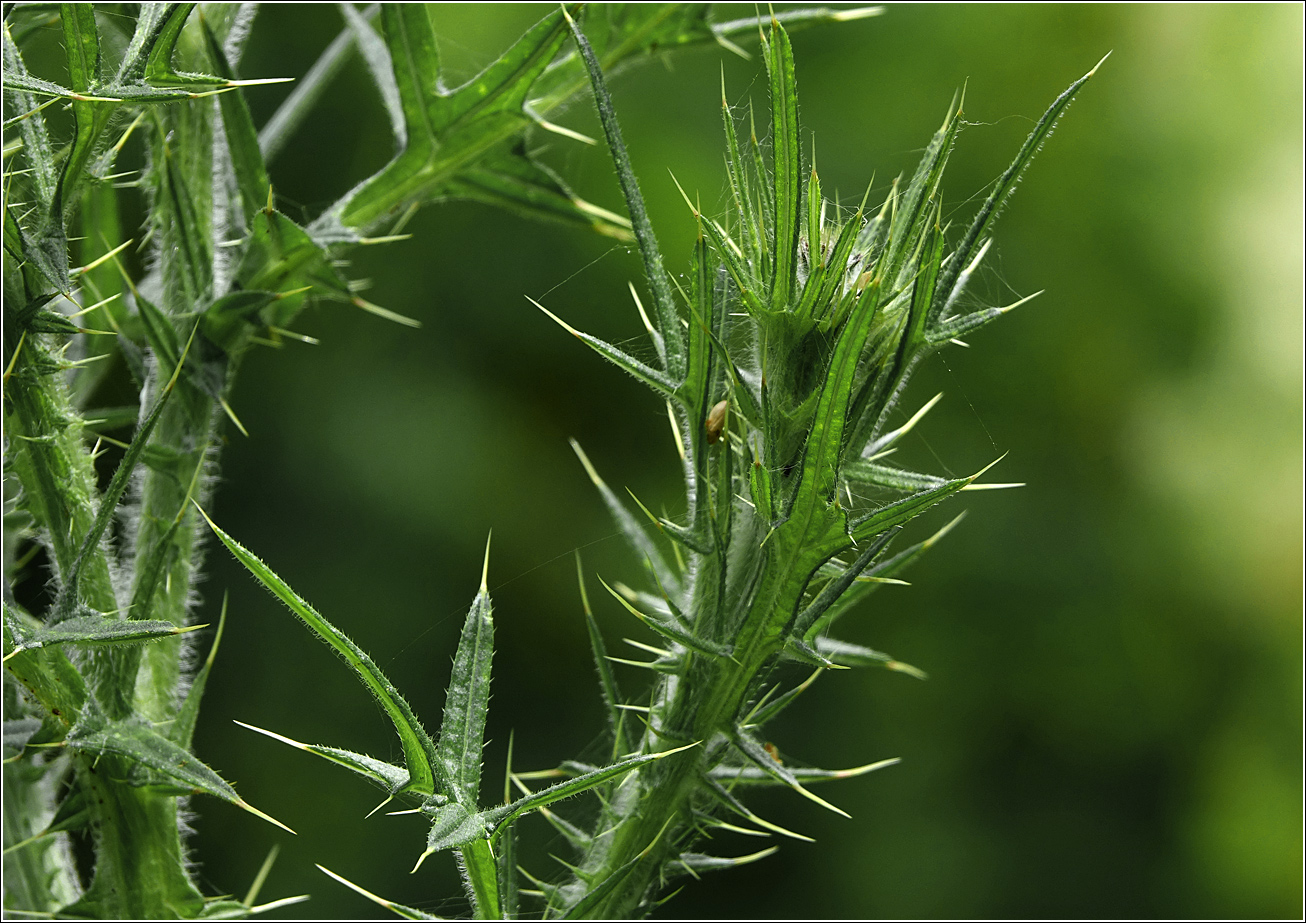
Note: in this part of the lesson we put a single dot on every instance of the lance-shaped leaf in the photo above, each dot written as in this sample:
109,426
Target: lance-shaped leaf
65,604
673,337
861,471
694,864
877,576
144,746
407,913
183,726
952,327
779,56
656,380
673,630
607,682
831,592
855,655
632,530
390,777
1005,186
82,39
753,749
247,166
518,183
908,508
32,129
752,775
91,627
468,700
821,454
498,817
47,674
419,750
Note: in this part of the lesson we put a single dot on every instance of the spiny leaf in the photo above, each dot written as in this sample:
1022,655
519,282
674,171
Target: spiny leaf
673,631
140,744
183,726
692,863
569,788
831,592
752,749
663,302
408,913
635,534
419,751
467,701
627,363
1006,185
607,682
855,655
779,57
93,628
390,777
752,775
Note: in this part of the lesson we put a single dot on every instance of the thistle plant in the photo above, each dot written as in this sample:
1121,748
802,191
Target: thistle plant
101,695
781,358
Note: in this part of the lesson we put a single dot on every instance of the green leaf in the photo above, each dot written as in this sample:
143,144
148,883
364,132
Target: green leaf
91,627
673,631
607,682
247,166
861,471
47,674
752,775
145,747
390,777
419,751
467,702
407,913
654,270
1006,185
855,655
514,181
498,817
183,726
656,380
906,509
117,487
779,56
635,533
692,863
763,760
82,40
831,592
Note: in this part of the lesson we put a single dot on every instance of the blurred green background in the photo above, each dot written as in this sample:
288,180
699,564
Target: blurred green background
1113,721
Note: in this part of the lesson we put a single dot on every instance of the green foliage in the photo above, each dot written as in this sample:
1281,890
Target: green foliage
780,358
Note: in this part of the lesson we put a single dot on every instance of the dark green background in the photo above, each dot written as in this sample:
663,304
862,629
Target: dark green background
1112,726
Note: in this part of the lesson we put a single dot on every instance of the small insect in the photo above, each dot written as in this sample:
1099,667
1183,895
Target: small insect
716,421
773,752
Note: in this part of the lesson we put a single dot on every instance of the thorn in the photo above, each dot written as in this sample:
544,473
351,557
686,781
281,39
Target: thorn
485,567
384,312
558,320
1099,64
1012,307
675,431
565,132
99,261
241,803
692,207
979,473
252,894
231,414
